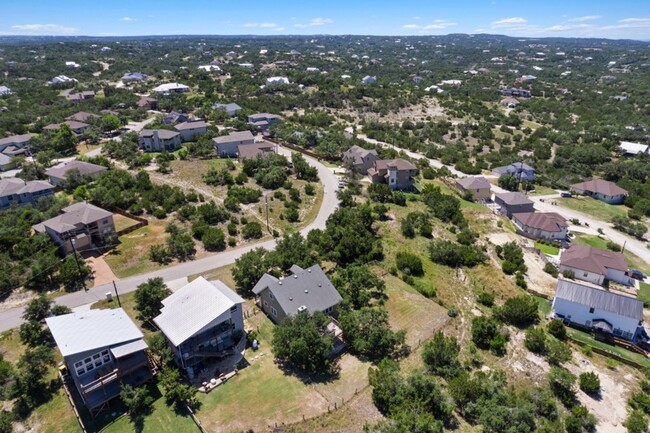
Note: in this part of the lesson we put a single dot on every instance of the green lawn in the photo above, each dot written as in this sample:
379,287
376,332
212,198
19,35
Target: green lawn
592,207
544,305
644,293
547,249
624,353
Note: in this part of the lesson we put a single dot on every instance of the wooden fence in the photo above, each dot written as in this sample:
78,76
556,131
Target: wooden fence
141,221
72,403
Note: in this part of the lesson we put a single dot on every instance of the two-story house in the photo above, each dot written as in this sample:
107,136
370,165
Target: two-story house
202,319
361,159
262,121
191,130
305,290
14,191
83,223
231,109
520,170
513,202
159,140
102,349
396,173
478,186
228,145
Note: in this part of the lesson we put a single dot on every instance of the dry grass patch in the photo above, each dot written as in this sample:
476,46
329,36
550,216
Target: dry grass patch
130,257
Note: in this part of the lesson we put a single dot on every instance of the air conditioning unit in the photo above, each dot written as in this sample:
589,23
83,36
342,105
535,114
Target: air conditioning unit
302,308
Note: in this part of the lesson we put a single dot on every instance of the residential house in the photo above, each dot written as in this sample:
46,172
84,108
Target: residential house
59,172
202,319
251,151
509,102
362,159
148,103
478,186
513,202
131,77
229,145
602,190
168,88
397,173
272,81
262,121
544,225
246,65
159,140
209,68
14,145
82,116
81,96
15,191
598,309
191,130
62,79
6,162
230,109
632,149
82,223
520,170
175,117
73,65
519,93
5,91
305,290
595,265
102,350
77,127
369,79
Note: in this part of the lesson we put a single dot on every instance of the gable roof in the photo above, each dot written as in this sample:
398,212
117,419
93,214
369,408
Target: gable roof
547,221
399,164
81,116
600,186
59,171
599,299
89,330
15,185
226,107
234,136
78,213
15,139
163,134
194,306
191,125
592,259
168,87
633,148
513,168
513,198
305,287
357,153
249,151
474,182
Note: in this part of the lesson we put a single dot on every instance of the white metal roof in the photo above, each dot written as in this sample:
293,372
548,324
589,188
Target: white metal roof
129,348
194,306
89,330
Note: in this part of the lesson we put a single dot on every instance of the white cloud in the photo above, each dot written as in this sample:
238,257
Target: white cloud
127,19
411,26
636,20
566,27
301,25
47,29
268,25
439,24
509,22
279,29
320,21
584,18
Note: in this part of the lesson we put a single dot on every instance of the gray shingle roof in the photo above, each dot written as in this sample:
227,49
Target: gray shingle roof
513,198
16,139
599,299
78,213
234,136
593,259
191,125
600,186
306,287
194,306
357,153
474,182
163,134
59,171
89,330
13,185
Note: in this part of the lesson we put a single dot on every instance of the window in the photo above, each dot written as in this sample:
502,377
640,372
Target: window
591,310
233,309
270,295
105,221
274,311
329,309
266,304
584,274
79,368
105,356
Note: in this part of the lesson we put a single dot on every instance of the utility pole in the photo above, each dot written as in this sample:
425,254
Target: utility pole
76,259
266,200
117,295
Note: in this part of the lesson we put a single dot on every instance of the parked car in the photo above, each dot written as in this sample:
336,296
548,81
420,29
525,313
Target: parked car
637,274
566,194
341,184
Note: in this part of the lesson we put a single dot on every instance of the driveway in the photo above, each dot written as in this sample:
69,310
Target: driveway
12,318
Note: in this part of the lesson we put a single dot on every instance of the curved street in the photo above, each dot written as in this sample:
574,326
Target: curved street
12,317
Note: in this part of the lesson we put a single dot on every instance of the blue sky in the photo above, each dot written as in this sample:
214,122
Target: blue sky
588,18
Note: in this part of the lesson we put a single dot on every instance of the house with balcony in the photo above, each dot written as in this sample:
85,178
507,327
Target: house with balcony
263,121
229,145
159,140
82,223
305,290
397,173
360,158
201,320
15,191
102,349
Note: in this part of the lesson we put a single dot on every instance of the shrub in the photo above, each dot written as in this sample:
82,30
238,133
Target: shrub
408,263
613,246
557,352
484,329
569,274
252,230
520,311
562,384
557,329
535,340
589,382
450,254
213,239
466,236
309,189
485,298
232,241
550,269
159,254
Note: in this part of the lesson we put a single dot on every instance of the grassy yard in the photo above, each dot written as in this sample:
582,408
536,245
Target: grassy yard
624,353
543,190
592,207
83,148
122,222
544,305
131,256
644,293
547,249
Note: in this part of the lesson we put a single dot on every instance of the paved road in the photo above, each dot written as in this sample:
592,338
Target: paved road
631,244
12,317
